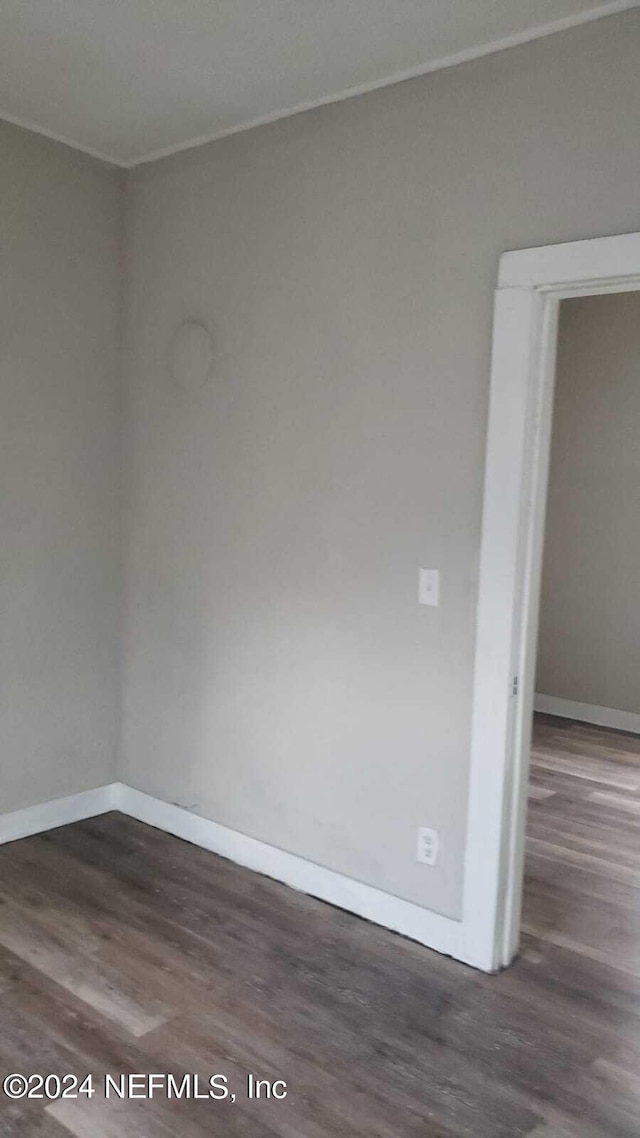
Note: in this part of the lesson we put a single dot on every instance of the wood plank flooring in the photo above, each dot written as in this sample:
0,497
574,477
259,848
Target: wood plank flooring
125,950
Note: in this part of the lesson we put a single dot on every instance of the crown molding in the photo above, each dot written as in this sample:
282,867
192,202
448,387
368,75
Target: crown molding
540,31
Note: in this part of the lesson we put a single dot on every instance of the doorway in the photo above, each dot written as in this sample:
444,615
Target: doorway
531,285
582,858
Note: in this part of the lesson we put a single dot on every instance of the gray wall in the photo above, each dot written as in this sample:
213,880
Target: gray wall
60,406
589,647
281,677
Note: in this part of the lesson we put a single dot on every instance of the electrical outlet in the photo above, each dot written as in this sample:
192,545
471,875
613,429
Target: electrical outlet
428,845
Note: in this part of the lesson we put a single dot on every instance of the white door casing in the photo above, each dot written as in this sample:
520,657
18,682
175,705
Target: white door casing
531,283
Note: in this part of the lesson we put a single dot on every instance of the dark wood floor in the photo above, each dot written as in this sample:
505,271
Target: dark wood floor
125,950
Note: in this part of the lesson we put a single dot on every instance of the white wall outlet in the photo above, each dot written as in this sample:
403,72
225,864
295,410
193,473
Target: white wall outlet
428,845
429,587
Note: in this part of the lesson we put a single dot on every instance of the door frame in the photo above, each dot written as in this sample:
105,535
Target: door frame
531,284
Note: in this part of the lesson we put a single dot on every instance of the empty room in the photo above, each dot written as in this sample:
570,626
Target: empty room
319,650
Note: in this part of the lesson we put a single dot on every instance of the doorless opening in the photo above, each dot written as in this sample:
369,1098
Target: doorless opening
531,284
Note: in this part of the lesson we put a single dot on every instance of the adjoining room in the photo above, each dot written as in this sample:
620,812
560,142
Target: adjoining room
583,853
319,393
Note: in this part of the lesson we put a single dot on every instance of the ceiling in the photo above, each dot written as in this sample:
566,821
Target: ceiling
129,80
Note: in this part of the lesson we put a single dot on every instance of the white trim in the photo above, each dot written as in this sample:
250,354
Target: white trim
454,59
428,928
27,124
503,43
572,263
518,444
59,812
588,713
517,337
531,283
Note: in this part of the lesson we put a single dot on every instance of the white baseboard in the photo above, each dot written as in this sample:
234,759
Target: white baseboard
430,929
588,713
435,931
59,812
